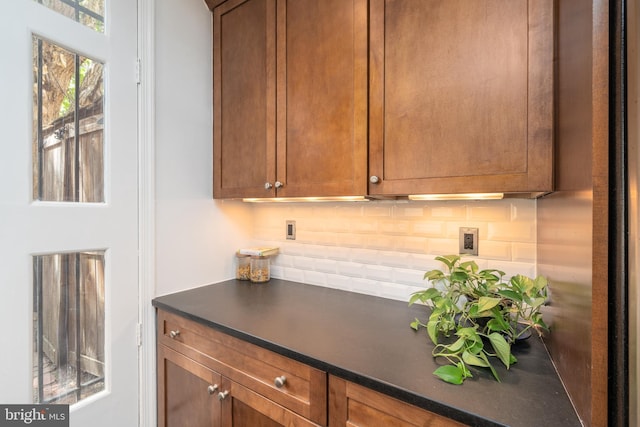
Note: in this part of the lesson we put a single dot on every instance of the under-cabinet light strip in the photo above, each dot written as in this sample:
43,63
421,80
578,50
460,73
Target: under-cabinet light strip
466,196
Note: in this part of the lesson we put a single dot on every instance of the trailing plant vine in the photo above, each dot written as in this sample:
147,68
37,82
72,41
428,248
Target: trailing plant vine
477,316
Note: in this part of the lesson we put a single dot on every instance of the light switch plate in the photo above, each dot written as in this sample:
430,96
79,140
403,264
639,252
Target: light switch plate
468,241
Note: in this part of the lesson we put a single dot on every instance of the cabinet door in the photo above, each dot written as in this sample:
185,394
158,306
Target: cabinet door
461,96
322,97
244,96
356,406
242,407
187,392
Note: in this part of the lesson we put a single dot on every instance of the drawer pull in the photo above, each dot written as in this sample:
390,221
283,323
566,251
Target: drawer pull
174,334
223,395
212,388
280,381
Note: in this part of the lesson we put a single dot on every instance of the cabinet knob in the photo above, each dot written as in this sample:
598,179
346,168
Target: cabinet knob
174,334
279,184
212,388
280,381
223,395
268,186
374,179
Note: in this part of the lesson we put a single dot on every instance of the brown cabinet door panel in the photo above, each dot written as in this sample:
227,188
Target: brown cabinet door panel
244,98
322,97
184,393
461,96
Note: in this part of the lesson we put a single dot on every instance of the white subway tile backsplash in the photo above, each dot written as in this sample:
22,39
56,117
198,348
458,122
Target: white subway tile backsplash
524,252
348,268
385,247
290,248
495,250
379,241
408,211
347,210
365,256
315,278
303,263
325,265
512,268
443,246
394,291
277,272
373,209
365,226
521,211
394,227
292,274
411,244
338,281
283,260
414,278
512,231
483,211
447,211
339,253
351,240
378,272
365,286
316,251
393,258
429,228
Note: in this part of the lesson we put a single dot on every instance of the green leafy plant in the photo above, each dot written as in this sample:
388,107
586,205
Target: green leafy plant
477,316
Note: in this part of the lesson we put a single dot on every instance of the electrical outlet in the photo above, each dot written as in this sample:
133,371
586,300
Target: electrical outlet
469,240
291,230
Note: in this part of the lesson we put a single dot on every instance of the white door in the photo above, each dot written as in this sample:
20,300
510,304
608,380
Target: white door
32,229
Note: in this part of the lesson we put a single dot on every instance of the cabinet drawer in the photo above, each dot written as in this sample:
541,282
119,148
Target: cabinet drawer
294,385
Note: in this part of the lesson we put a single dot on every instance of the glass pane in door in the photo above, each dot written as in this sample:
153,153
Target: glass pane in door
68,94
68,324
87,12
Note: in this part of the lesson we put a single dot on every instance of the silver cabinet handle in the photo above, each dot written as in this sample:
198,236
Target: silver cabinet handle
280,381
374,179
268,186
223,395
212,388
279,184
174,334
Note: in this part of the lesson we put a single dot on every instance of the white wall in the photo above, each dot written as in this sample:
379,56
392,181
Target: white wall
196,237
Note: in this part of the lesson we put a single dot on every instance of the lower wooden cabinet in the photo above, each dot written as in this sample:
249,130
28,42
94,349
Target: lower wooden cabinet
355,406
209,379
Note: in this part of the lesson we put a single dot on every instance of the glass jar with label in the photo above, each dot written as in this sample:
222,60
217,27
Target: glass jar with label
260,269
243,267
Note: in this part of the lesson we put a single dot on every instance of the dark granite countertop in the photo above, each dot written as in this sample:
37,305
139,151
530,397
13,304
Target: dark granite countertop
368,340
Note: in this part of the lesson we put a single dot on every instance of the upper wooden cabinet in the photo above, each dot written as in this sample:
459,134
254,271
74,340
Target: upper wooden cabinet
461,96
290,98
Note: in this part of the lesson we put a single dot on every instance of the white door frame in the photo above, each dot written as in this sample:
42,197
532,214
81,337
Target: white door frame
146,137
